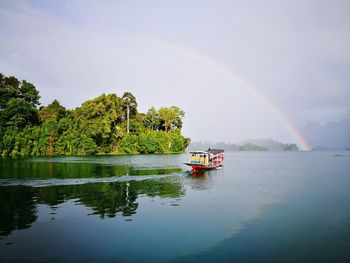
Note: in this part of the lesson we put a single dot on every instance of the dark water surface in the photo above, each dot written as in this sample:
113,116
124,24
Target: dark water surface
260,207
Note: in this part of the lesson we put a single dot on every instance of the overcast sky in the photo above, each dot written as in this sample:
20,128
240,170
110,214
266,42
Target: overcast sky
198,55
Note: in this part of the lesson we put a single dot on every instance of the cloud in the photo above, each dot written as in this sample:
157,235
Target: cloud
294,52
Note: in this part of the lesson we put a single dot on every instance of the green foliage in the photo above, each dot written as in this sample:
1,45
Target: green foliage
98,126
148,143
152,119
129,100
54,111
129,144
171,118
29,93
18,113
11,87
100,115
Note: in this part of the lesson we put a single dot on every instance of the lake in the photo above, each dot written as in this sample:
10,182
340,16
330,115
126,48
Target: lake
261,206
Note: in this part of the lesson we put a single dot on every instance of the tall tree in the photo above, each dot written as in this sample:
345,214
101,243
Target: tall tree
11,87
54,111
19,113
130,100
180,114
100,115
130,107
171,118
29,93
151,120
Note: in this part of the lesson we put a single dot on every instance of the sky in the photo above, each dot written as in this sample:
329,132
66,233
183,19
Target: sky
239,69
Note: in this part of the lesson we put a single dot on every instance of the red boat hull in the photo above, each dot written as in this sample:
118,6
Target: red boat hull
199,167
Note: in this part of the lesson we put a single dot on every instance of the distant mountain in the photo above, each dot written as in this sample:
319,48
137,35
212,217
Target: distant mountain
249,145
272,145
334,135
203,145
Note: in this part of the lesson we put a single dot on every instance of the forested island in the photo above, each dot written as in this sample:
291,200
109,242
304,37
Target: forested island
107,124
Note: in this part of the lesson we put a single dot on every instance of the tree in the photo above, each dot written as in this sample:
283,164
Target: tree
130,106
100,115
11,87
180,114
54,111
19,113
171,118
152,120
129,100
29,93
167,117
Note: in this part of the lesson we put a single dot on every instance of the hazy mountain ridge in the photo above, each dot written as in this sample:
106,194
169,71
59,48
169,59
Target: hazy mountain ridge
248,145
334,135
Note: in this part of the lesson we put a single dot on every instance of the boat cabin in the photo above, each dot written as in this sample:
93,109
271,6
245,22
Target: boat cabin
200,157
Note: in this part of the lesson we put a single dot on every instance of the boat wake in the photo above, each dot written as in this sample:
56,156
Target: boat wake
77,181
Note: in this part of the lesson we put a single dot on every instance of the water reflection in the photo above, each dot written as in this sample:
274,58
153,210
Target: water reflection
66,169
19,204
17,208
201,180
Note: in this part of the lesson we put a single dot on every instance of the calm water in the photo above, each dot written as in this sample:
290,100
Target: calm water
272,207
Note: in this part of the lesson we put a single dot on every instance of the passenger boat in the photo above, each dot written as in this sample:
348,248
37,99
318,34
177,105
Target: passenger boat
206,160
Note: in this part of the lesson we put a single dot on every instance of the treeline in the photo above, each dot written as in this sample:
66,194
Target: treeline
98,126
249,145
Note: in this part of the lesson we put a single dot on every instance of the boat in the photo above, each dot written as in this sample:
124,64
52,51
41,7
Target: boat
206,160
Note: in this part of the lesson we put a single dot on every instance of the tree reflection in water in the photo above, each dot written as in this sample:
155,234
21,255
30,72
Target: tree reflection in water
46,169
17,208
18,204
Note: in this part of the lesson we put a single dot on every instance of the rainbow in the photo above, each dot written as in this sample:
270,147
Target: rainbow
211,63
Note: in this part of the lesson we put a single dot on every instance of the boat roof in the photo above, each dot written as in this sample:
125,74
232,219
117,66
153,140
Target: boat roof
211,151
215,151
